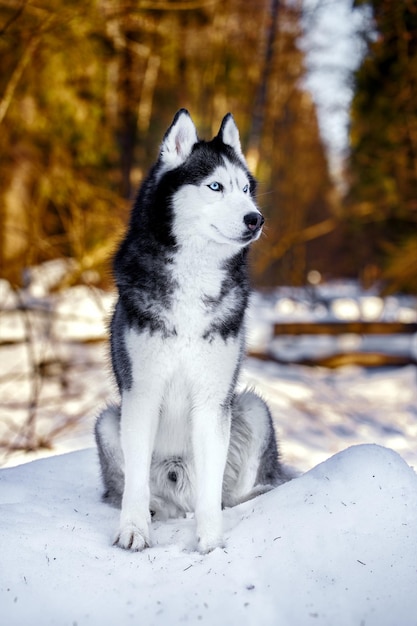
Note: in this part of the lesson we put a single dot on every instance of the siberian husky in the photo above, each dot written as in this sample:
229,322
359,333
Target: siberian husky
183,440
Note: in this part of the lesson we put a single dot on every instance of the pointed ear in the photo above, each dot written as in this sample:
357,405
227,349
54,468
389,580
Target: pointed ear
179,140
229,134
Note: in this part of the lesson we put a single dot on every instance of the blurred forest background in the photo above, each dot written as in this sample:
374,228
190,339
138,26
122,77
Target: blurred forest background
88,88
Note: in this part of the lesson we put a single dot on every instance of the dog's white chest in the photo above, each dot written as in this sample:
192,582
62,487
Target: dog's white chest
197,299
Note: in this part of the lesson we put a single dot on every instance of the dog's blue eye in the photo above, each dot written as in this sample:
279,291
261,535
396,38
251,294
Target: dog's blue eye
215,186
246,189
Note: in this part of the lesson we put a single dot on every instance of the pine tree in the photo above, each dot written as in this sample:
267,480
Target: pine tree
383,162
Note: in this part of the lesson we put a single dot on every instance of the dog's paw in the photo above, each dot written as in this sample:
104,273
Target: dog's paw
209,531
130,537
206,544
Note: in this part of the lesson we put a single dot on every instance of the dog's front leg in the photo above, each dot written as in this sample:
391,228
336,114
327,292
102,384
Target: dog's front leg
211,432
139,422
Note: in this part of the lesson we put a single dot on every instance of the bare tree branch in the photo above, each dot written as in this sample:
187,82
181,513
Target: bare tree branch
19,69
13,18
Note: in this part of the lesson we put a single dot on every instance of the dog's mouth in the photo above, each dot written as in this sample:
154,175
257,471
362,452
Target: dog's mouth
244,239
251,235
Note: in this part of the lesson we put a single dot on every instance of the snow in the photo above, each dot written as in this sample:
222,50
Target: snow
334,546
319,412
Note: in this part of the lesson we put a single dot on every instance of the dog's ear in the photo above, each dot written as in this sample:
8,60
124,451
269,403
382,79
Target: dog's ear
229,134
179,140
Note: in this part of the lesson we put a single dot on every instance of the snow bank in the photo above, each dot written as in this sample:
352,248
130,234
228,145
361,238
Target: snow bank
335,546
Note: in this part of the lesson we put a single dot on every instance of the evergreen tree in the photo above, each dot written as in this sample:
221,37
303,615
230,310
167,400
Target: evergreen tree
383,162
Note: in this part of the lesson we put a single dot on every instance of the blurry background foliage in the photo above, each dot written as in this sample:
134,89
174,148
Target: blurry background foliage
88,88
383,163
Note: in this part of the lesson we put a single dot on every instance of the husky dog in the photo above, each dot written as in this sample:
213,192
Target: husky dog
182,438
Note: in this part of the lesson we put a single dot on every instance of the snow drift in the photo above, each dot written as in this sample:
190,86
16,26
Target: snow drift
334,546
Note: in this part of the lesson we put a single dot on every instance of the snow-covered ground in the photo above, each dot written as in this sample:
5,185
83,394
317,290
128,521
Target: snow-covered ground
336,545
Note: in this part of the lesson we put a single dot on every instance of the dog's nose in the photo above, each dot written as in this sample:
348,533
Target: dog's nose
253,221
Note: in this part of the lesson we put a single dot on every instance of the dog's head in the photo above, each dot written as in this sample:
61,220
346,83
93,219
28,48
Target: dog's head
212,191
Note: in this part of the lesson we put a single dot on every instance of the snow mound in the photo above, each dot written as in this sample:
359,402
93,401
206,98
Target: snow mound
334,546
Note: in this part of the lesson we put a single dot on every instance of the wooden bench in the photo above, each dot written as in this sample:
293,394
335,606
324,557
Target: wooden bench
364,359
